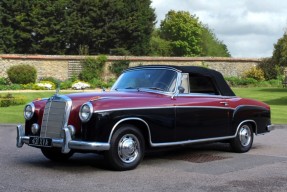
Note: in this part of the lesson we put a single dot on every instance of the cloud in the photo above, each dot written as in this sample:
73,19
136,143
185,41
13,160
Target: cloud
249,28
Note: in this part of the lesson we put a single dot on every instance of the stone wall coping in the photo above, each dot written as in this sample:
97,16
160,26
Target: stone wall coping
130,58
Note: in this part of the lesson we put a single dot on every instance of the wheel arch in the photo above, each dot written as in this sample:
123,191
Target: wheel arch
251,122
139,123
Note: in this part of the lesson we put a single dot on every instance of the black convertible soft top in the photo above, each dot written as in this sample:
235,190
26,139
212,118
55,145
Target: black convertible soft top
216,76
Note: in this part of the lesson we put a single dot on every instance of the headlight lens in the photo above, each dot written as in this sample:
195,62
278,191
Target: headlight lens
86,112
29,111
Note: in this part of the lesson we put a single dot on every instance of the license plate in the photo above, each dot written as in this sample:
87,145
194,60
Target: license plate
40,141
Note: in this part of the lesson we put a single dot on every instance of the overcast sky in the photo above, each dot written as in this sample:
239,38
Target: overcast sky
249,28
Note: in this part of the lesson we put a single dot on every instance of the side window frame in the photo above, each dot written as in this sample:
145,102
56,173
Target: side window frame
211,88
185,84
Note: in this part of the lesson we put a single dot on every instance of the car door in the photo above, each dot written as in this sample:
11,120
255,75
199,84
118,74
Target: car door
201,113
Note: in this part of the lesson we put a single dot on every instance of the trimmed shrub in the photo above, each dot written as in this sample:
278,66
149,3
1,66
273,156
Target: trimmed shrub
66,84
9,100
42,85
55,81
22,74
254,73
11,87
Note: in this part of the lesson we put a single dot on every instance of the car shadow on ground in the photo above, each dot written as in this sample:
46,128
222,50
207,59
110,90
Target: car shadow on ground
89,162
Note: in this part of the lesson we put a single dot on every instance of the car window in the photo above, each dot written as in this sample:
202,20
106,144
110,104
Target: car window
157,79
202,84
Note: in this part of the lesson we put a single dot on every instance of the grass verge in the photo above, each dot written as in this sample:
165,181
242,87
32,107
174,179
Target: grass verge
275,97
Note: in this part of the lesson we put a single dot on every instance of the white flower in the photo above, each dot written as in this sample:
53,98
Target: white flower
45,85
80,85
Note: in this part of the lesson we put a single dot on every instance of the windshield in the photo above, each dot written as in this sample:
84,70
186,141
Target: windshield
155,79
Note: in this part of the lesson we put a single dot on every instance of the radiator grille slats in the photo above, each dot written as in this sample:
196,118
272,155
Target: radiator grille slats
54,118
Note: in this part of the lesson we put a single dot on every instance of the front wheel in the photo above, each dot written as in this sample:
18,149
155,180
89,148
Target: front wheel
127,148
243,140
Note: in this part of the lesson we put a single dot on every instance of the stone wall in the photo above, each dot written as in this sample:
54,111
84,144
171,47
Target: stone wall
63,67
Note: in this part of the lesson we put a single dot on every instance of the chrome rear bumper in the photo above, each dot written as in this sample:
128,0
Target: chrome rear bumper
270,127
65,143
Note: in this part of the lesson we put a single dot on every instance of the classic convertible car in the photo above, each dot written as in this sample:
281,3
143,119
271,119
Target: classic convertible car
147,107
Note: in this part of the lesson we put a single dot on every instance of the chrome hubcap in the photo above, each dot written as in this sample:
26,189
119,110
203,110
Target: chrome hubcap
128,148
245,135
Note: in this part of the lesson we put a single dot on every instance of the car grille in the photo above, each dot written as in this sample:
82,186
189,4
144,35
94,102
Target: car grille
55,116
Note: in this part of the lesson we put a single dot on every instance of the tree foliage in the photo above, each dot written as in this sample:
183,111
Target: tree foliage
68,26
280,51
273,67
182,34
184,31
211,45
158,45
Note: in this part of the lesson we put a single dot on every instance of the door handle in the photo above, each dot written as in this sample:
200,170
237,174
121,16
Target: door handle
224,103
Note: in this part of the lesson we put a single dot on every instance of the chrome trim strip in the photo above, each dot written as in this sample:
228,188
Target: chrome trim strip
157,67
190,141
167,107
205,95
202,140
129,119
180,142
245,121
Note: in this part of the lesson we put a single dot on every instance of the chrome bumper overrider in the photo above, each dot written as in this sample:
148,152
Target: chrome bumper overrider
66,143
270,127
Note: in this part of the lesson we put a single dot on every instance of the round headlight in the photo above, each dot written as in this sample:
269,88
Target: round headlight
29,111
86,112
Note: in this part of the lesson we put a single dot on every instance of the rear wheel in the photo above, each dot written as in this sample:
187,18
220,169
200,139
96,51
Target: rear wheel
55,154
244,139
127,148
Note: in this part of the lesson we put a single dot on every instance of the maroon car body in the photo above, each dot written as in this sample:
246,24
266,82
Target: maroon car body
148,107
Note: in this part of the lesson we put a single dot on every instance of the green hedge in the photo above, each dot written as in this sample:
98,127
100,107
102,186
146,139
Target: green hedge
8,100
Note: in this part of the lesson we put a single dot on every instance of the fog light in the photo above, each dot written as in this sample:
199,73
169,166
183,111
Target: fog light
35,128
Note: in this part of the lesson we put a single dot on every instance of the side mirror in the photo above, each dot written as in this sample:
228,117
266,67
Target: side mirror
181,89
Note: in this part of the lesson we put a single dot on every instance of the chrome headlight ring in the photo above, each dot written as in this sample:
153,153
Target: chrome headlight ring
86,112
29,110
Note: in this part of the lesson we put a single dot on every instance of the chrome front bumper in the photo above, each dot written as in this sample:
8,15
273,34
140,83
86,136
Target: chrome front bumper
65,143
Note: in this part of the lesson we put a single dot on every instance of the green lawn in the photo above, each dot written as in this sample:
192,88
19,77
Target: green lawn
275,97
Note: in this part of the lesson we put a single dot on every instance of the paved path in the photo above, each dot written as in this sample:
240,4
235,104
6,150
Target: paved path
211,168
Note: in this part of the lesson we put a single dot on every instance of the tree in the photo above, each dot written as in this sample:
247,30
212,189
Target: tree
211,46
280,51
273,67
71,26
184,31
32,26
158,45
